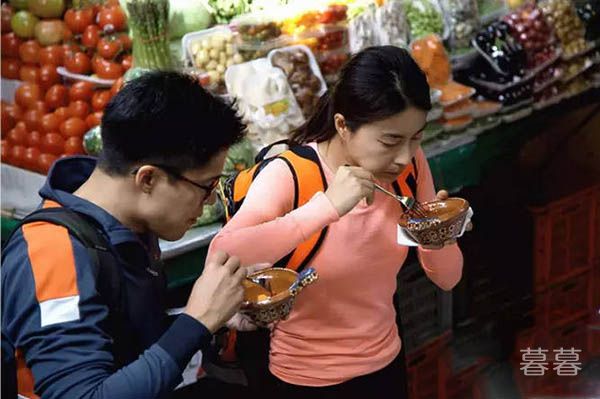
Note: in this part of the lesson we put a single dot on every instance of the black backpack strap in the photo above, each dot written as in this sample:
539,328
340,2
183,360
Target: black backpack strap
264,151
105,268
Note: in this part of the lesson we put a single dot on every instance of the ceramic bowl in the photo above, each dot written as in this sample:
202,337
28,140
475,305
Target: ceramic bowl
273,298
444,221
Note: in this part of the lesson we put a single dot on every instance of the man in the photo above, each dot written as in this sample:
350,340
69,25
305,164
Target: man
165,140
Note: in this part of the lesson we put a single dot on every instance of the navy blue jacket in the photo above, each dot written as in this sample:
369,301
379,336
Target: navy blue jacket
54,320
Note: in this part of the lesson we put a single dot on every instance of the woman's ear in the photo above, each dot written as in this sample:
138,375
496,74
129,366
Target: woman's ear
340,126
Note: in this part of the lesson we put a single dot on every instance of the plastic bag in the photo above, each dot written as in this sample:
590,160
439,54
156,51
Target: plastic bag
463,21
392,26
361,30
425,17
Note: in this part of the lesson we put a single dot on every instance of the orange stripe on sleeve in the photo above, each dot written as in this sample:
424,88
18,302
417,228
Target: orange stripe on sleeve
52,260
51,204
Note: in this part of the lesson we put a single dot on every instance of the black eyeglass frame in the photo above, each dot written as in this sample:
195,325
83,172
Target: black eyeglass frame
172,172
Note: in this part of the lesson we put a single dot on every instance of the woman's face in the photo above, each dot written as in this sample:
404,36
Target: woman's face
385,147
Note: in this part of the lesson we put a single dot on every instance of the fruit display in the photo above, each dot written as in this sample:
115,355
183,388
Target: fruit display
529,28
331,62
212,52
575,67
454,92
424,17
547,77
324,38
463,21
514,94
303,74
589,13
391,23
305,18
568,27
456,124
500,49
484,108
257,28
459,109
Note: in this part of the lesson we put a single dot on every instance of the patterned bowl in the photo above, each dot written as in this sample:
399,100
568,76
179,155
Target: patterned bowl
273,298
444,221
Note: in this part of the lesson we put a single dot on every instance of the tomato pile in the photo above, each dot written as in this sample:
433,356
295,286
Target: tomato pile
49,118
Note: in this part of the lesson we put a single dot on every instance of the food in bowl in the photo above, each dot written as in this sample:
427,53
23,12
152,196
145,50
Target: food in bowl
269,294
444,221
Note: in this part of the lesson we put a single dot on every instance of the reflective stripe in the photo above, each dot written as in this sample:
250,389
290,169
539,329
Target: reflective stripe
61,310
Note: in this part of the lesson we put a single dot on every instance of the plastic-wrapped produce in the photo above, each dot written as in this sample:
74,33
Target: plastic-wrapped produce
362,30
424,17
265,99
430,54
392,26
256,34
463,21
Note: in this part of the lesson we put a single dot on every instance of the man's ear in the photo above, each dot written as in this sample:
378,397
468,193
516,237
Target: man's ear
146,178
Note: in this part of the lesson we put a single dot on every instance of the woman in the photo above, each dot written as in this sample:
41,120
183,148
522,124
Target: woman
341,339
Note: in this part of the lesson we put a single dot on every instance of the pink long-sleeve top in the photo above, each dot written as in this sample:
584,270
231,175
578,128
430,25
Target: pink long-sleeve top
343,325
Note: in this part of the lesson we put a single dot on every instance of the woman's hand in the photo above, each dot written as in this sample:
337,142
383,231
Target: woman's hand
441,196
350,185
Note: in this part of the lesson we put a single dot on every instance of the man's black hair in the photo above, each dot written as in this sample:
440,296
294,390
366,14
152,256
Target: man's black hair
166,118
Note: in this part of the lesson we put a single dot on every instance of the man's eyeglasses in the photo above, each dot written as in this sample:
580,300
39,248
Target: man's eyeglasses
208,188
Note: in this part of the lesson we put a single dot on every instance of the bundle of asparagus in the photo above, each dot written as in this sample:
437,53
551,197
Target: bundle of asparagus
149,22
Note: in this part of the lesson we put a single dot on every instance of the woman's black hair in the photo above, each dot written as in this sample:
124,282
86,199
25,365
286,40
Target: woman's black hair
375,84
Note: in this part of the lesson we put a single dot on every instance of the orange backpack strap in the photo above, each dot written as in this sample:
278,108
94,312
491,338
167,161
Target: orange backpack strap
309,179
406,183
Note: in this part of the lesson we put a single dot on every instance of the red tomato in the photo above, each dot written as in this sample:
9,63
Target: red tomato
17,155
29,73
27,94
17,136
31,158
34,139
80,109
40,106
57,96
7,13
68,49
10,45
6,151
127,62
74,146
67,34
29,52
90,36
73,127
108,69
78,63
100,99
50,123
62,114
81,91
11,68
32,118
21,126
8,122
109,47
45,162
51,55
48,76
117,86
125,41
53,143
94,119
112,18
15,111
78,20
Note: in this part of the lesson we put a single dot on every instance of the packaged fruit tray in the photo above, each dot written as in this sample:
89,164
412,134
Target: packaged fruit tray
211,51
324,38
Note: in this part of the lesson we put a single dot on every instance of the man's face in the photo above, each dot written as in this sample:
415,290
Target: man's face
171,202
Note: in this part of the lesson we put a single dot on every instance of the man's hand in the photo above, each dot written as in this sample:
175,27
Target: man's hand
239,321
218,292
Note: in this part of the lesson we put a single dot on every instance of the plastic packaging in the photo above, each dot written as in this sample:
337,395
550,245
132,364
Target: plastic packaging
517,115
324,38
211,52
459,109
305,17
265,99
425,17
484,108
435,113
463,21
391,24
456,124
62,71
362,30
331,62
303,74
430,54
453,92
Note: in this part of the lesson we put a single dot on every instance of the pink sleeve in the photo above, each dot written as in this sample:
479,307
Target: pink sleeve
265,228
442,266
